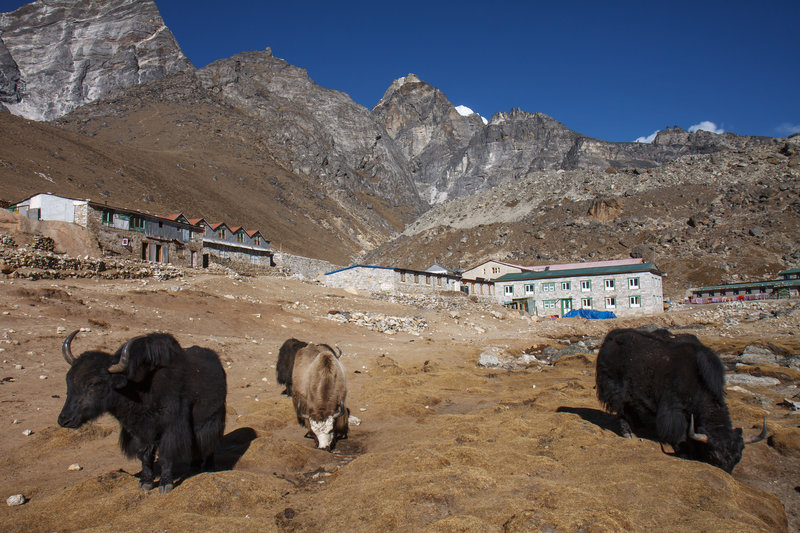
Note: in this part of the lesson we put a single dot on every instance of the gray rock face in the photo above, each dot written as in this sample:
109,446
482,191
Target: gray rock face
9,77
429,132
452,156
56,55
319,132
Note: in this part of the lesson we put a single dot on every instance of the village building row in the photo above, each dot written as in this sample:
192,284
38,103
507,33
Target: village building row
388,279
786,286
132,234
624,287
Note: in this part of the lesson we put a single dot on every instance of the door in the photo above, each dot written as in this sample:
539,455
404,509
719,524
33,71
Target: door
566,306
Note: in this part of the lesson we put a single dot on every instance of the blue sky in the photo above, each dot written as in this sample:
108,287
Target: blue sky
612,70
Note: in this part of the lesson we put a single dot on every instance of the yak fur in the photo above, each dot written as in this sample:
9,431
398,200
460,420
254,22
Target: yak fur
660,381
168,401
319,389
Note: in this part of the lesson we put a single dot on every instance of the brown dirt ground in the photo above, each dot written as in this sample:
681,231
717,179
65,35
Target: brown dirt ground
443,445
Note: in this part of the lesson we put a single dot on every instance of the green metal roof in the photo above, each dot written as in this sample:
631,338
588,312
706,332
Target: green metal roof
780,283
581,272
790,271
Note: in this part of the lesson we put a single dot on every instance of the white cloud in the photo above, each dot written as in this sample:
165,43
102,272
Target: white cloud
706,125
787,129
649,139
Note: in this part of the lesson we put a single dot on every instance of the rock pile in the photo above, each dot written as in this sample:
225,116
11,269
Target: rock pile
42,263
383,323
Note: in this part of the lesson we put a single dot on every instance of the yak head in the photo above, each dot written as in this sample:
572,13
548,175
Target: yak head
95,379
92,382
719,446
326,430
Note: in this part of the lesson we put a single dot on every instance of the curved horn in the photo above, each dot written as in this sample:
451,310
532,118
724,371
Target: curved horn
760,437
699,437
66,350
338,352
122,366
340,411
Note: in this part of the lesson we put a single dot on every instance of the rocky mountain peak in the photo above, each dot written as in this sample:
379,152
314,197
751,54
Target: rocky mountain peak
56,55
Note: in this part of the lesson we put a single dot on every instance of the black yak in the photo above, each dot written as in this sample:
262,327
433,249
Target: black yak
673,384
168,401
319,388
283,369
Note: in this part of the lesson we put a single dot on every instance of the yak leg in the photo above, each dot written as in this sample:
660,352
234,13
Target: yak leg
147,456
671,422
625,428
175,444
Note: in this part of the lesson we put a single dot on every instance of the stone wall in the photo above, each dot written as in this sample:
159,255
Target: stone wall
303,267
44,264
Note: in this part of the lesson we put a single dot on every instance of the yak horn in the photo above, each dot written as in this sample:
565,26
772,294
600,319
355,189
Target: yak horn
122,366
699,437
338,352
66,350
760,437
340,412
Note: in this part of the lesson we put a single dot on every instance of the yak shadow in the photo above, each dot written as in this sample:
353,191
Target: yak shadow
611,422
233,447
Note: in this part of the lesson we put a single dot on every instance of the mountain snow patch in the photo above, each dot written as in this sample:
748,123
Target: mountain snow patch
464,111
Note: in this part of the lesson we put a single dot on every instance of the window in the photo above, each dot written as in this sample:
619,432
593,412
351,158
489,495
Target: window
508,290
566,285
635,301
549,287
221,234
239,237
586,303
137,223
108,217
549,304
633,283
495,270
611,302
609,284
257,240
427,279
416,278
528,288
586,285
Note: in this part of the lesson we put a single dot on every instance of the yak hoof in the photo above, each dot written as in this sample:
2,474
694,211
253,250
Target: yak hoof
146,485
625,428
163,489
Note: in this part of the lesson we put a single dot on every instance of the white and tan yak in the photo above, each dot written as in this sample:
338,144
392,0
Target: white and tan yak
319,388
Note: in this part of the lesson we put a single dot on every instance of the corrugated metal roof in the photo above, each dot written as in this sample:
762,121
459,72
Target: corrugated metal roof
578,272
357,266
779,283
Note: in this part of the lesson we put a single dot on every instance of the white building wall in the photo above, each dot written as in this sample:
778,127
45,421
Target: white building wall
53,207
637,293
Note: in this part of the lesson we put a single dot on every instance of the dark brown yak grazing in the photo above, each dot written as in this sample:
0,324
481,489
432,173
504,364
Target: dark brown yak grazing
672,384
319,389
168,401
283,369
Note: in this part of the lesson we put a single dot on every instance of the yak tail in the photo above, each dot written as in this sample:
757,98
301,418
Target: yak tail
711,371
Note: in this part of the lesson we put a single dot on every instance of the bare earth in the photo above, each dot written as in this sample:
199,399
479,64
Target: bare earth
443,444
